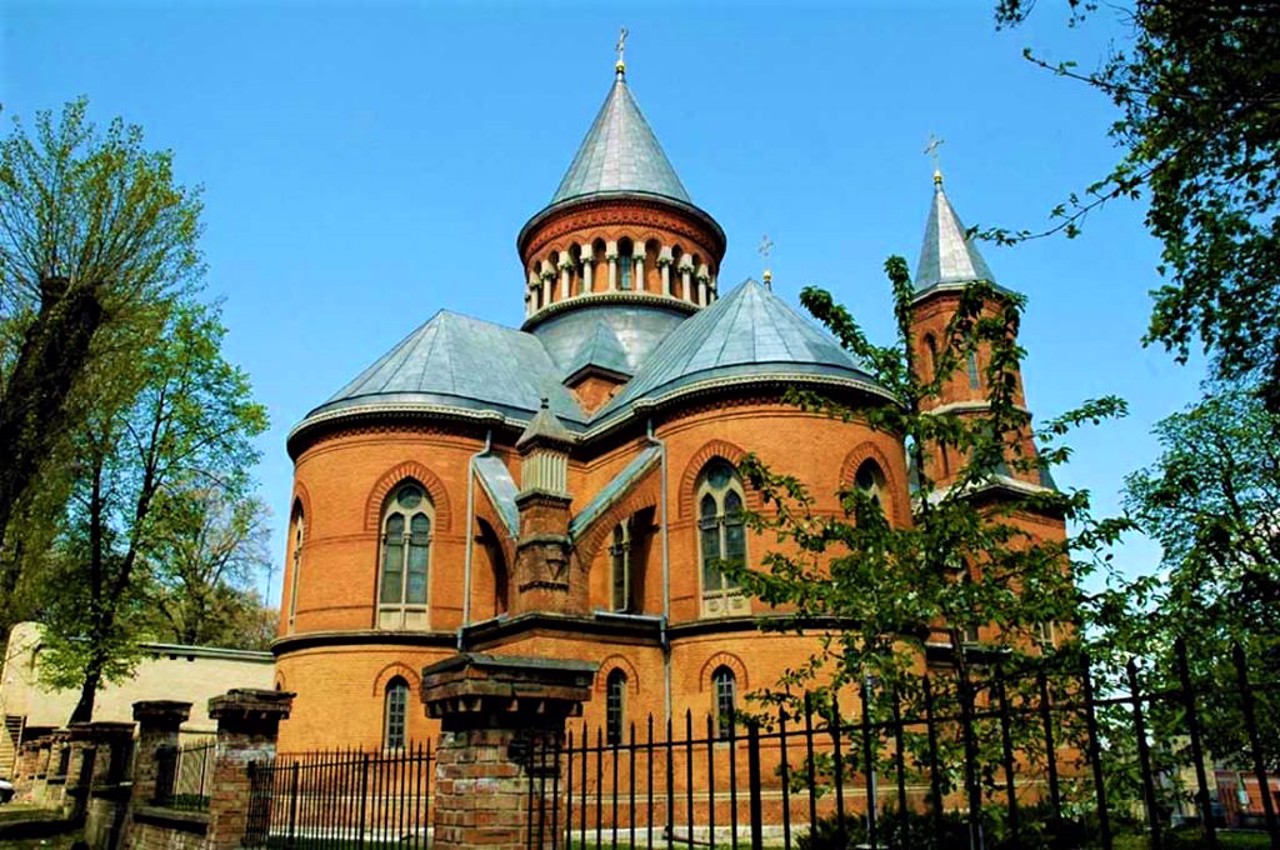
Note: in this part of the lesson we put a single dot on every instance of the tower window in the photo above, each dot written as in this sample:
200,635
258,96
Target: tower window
395,714
295,553
615,696
975,377
626,264
620,562
722,533
724,685
406,548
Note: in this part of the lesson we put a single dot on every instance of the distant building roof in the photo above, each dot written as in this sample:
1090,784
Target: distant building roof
620,154
750,332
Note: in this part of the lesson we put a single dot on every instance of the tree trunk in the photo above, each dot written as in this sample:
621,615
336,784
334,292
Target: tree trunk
83,712
54,352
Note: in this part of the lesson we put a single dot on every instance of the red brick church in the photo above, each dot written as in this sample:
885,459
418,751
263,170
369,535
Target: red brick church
563,489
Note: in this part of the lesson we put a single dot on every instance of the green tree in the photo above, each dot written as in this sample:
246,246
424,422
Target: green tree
1196,89
1212,501
96,239
967,561
187,416
211,545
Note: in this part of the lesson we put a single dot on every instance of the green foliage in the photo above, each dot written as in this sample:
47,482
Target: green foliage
1212,501
1195,88
210,545
967,560
96,243
184,418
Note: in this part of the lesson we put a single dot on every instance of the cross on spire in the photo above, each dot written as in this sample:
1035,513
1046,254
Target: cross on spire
621,65
765,249
931,151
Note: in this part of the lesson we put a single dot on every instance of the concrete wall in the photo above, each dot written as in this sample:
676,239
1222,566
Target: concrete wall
189,673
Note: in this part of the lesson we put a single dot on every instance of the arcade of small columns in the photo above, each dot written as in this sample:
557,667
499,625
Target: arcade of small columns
657,269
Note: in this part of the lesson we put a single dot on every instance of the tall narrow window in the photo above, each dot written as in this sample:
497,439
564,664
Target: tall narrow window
406,549
626,263
395,714
620,558
722,537
975,377
615,708
295,556
725,686
931,357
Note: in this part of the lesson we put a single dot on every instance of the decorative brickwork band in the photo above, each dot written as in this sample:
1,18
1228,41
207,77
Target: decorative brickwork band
502,724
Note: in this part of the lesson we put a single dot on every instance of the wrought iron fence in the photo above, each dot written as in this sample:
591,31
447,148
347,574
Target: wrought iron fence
342,799
184,774
984,758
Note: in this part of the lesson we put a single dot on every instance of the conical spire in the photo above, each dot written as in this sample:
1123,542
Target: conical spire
947,256
545,429
620,154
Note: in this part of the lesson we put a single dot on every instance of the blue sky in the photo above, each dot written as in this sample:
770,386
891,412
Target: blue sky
365,165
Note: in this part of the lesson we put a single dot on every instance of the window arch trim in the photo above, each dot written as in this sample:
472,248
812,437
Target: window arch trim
400,474
395,714
713,449
895,510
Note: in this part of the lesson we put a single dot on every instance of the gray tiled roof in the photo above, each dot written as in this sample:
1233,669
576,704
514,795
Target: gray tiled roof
603,350
749,332
947,256
457,361
620,154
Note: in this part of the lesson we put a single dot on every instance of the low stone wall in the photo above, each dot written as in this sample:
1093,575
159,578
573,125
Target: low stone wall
154,828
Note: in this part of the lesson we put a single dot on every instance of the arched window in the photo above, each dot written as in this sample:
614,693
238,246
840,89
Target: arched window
870,480
975,377
620,567
930,357
626,262
406,547
395,714
295,558
724,686
615,706
722,536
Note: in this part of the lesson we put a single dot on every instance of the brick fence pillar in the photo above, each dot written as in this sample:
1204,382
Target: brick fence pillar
248,723
158,724
75,799
502,724
59,755
109,782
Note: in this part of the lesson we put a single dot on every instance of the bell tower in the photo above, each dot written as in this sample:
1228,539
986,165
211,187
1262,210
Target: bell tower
949,262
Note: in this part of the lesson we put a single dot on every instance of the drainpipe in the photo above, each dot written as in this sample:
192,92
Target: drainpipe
664,638
466,564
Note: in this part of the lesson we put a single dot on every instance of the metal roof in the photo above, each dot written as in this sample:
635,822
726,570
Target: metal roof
602,350
501,487
620,154
750,332
459,362
947,255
